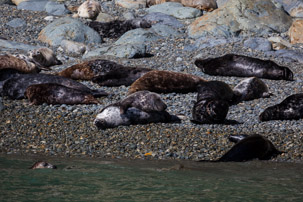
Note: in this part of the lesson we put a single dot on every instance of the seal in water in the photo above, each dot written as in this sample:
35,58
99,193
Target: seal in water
290,108
213,100
15,87
140,108
52,93
42,164
166,82
249,148
143,100
250,89
243,66
116,28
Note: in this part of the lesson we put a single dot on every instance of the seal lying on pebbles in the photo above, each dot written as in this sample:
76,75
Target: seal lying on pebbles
104,72
212,103
243,66
140,108
249,148
44,57
290,108
88,9
15,87
251,88
207,5
42,164
51,93
20,64
117,28
166,82
6,74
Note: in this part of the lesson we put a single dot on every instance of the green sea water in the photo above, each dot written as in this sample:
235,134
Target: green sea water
145,180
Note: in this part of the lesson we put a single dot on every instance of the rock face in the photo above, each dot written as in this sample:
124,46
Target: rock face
175,9
68,29
295,32
293,7
240,16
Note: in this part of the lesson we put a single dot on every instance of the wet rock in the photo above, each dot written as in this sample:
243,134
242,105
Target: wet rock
175,9
131,4
161,18
17,22
138,36
241,17
259,44
295,32
293,7
69,29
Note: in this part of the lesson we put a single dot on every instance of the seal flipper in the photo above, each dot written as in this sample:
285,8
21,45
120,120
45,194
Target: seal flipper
98,93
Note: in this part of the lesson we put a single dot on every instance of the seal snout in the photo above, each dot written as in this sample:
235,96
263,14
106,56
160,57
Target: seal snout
288,74
265,116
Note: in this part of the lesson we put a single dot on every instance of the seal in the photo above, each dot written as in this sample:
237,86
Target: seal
42,164
243,66
6,74
21,64
104,72
88,9
52,93
15,87
166,82
249,148
208,5
290,108
139,108
250,89
116,28
143,100
44,57
213,100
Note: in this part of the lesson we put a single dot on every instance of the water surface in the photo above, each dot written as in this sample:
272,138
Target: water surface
101,180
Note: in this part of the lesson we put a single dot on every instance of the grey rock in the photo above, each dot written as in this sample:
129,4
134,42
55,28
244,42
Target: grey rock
161,18
95,52
5,2
104,17
259,44
287,55
73,47
293,7
17,22
55,8
128,16
6,44
138,36
68,29
165,30
32,5
208,42
175,9
242,17
220,3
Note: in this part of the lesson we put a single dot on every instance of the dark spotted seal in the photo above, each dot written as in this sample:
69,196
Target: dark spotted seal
15,87
6,74
250,89
42,164
249,148
290,108
139,108
116,28
52,93
243,66
166,82
143,100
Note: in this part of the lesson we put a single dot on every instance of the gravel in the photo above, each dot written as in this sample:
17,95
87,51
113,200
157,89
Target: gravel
65,130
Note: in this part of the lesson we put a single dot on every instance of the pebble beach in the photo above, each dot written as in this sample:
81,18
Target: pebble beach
68,130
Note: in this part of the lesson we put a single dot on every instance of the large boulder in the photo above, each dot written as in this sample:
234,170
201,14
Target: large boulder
293,7
68,29
131,3
241,17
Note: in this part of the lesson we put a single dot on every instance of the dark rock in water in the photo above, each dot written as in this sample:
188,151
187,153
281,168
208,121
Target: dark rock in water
117,28
15,88
290,108
243,66
17,22
249,148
